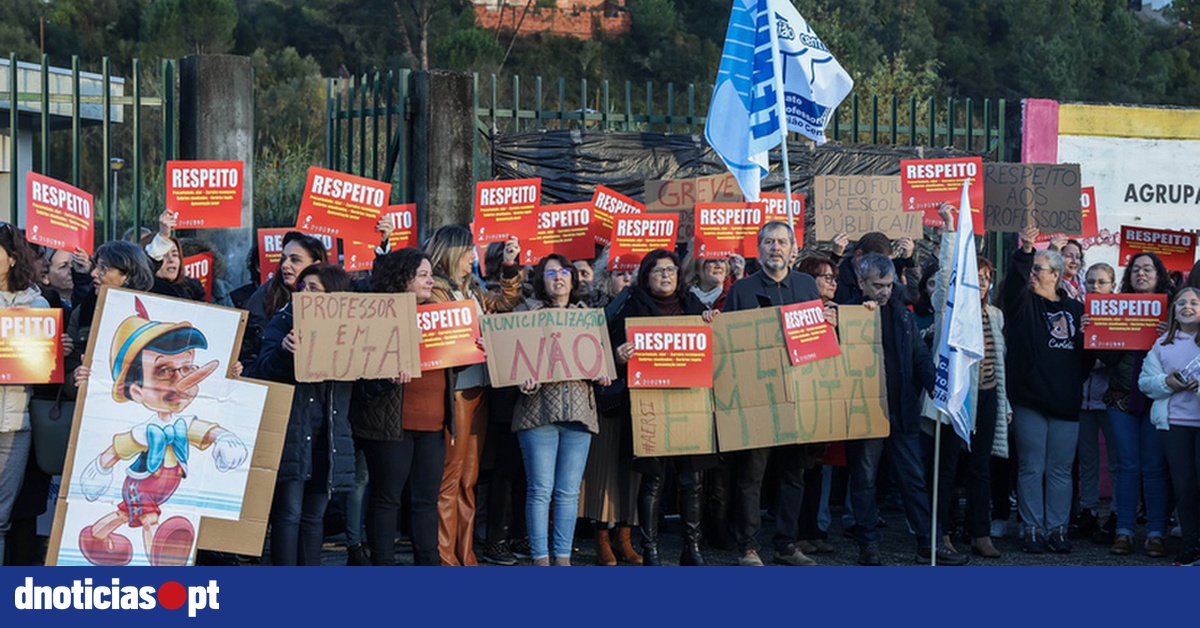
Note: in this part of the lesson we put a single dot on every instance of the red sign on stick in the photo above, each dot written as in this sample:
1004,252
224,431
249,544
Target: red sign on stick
31,346
270,249
927,183
342,205
1176,249
505,209
775,211
200,268
565,229
725,229
58,215
205,194
404,219
808,335
448,334
670,357
606,205
635,236
1123,321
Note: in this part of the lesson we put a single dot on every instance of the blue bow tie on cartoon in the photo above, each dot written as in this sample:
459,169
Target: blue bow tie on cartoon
158,439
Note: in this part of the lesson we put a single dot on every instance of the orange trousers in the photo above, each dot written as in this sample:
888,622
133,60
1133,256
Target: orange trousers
456,503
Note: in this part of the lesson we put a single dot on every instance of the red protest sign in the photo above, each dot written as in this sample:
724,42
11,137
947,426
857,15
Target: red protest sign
342,205
448,334
725,229
1176,249
1087,200
404,221
927,183
58,215
606,205
31,346
566,229
205,194
808,335
270,249
1123,321
200,268
670,357
775,211
505,209
634,236
358,256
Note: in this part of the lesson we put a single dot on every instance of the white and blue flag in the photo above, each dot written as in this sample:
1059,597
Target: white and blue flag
960,344
773,69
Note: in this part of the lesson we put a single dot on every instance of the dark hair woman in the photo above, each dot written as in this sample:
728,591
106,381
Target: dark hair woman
166,260
659,292
318,450
300,251
399,426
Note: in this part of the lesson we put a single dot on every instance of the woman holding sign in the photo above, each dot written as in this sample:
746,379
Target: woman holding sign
166,256
554,423
1141,465
318,450
299,252
18,289
658,291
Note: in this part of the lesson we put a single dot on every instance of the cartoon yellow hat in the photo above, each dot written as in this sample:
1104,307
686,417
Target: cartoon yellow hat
136,333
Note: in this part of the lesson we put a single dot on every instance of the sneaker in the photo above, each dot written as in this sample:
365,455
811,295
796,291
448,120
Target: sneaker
520,548
1122,545
1107,534
1188,557
947,556
498,554
750,558
1035,543
1083,525
999,528
1057,542
869,556
794,557
1156,547
1176,532
358,556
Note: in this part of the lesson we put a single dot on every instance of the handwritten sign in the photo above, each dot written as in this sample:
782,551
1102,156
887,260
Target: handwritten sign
808,335
205,194
270,249
547,345
342,205
669,356
566,229
679,196
927,183
31,346
58,215
346,336
1047,195
777,211
1087,203
200,268
1176,249
672,421
606,206
1123,321
858,205
448,334
505,209
635,236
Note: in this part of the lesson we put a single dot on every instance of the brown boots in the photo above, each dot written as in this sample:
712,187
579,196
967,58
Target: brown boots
625,551
604,550
607,555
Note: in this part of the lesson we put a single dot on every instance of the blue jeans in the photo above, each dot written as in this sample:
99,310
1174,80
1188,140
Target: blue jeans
555,456
1140,464
1045,450
297,524
863,457
14,453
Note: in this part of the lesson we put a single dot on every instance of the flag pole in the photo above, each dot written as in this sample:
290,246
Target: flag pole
937,476
777,61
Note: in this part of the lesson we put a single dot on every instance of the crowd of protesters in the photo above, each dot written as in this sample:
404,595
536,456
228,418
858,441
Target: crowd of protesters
405,457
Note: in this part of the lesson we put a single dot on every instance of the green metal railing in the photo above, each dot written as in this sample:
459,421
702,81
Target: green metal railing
46,104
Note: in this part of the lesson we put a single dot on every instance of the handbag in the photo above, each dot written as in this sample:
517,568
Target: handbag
51,422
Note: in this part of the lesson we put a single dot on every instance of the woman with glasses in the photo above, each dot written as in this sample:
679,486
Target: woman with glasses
659,292
1072,253
554,423
1045,368
1141,465
709,280
1093,419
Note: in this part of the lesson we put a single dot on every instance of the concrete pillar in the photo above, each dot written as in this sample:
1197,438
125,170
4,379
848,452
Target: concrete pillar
442,168
216,121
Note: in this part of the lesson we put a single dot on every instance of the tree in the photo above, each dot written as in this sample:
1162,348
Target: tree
175,28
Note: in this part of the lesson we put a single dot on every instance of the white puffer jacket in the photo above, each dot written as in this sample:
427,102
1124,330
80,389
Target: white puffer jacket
14,400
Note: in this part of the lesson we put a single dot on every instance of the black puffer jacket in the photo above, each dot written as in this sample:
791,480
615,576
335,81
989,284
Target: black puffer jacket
377,405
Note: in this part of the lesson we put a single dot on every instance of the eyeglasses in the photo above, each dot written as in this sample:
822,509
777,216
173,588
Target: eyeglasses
664,270
1098,282
561,272
167,374
1143,270
826,277
1042,269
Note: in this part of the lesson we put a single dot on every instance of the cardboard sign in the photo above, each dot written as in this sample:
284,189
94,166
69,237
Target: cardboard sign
448,334
58,215
858,205
1176,249
200,268
31,346
761,400
927,183
672,421
404,219
566,229
776,211
505,209
725,229
1087,203
342,205
270,249
346,336
205,194
808,335
1046,194
1123,321
680,196
547,345
635,236
606,206
669,356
